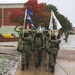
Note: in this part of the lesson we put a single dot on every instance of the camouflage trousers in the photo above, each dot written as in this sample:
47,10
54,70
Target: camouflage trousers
26,52
37,55
19,45
52,56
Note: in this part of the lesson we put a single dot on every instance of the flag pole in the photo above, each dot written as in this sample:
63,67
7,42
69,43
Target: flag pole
25,17
47,58
24,22
50,25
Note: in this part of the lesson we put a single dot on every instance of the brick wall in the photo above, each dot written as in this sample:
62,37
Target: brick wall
6,20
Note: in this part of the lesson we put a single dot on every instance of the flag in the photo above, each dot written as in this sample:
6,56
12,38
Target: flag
54,23
28,18
29,12
33,26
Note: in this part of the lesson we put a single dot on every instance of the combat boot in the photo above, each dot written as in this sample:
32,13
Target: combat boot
23,67
52,68
39,64
49,65
0,73
36,65
27,65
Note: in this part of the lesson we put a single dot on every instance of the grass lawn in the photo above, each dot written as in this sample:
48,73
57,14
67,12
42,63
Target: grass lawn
7,30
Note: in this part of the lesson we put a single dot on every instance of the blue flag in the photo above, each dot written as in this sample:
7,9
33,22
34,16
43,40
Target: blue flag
29,12
28,18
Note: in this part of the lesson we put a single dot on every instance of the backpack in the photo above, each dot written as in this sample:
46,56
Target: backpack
38,40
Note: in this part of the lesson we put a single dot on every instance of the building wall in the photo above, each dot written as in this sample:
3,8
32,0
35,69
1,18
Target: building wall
0,17
5,9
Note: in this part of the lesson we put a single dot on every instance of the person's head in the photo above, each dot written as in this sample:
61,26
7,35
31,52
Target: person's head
45,31
38,35
26,33
53,36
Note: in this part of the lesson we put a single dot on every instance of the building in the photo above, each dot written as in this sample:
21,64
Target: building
5,13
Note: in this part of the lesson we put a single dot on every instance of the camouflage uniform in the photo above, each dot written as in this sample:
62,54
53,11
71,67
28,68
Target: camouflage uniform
38,44
19,37
53,51
26,50
66,36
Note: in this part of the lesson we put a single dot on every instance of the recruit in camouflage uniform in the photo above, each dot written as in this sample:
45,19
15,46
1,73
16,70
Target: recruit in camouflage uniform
53,51
26,49
19,37
38,44
66,36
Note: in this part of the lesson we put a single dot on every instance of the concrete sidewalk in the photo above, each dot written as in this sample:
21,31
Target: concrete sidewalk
64,64
64,67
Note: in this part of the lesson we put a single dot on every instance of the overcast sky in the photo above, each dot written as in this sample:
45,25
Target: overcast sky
65,7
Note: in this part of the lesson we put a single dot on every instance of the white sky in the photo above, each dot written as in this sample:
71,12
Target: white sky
65,7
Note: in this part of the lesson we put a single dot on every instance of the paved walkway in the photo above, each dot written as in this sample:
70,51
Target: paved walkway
65,63
9,48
